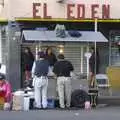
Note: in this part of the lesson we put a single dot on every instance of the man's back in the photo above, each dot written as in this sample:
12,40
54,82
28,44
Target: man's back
63,68
41,68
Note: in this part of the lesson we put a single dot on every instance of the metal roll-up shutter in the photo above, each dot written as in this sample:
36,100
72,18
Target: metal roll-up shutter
74,54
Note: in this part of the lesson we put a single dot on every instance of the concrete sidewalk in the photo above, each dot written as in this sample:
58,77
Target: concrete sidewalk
99,113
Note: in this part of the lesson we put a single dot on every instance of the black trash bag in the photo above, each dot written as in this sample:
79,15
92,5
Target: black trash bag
78,98
74,33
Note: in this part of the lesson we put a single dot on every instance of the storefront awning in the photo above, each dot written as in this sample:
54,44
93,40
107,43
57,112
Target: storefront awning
86,36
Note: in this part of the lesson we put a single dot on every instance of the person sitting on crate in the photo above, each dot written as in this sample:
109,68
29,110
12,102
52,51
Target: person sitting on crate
5,93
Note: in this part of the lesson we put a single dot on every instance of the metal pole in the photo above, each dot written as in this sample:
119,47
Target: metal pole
1,6
96,27
8,44
13,51
88,63
110,52
81,68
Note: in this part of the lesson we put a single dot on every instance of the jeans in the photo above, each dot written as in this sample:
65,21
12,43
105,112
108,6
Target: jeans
40,87
64,91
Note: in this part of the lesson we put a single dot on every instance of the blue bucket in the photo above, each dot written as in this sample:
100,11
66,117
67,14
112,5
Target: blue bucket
51,103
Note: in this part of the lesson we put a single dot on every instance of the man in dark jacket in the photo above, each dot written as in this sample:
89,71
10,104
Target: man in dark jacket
62,69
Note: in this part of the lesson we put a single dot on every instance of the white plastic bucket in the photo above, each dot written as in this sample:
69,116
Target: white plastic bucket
26,103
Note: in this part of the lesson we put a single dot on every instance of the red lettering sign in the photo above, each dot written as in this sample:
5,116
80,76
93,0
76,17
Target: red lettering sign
105,11
94,11
70,11
35,10
81,11
75,11
45,11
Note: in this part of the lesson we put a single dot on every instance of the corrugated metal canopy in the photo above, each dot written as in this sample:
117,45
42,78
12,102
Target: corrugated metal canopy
86,36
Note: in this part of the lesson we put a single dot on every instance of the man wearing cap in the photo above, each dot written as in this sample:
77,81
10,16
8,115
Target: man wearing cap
40,80
62,69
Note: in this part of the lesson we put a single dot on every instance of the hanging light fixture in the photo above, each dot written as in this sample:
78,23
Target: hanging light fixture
61,49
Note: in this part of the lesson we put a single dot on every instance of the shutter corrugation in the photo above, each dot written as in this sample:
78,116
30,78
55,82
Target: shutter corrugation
73,53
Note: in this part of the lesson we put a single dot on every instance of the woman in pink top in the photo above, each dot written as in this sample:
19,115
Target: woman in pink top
5,90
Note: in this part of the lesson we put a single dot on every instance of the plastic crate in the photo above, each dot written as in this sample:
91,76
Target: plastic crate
51,103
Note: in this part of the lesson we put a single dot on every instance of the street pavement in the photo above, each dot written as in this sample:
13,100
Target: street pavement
99,113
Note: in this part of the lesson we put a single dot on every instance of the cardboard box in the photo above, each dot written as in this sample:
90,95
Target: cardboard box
2,101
